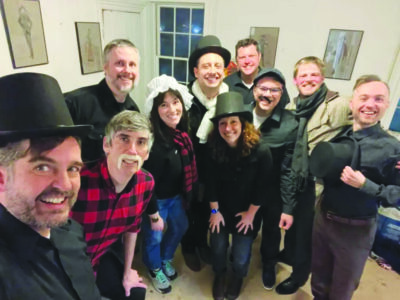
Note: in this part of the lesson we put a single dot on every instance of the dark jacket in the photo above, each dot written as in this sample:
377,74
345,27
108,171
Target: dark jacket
33,267
95,105
235,83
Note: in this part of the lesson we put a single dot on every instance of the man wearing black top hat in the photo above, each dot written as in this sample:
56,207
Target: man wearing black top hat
42,252
97,104
345,223
206,63
278,128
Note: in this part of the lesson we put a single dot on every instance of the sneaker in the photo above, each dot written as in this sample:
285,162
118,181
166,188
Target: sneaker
160,281
268,277
169,270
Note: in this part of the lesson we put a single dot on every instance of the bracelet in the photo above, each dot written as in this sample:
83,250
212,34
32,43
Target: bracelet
214,211
154,219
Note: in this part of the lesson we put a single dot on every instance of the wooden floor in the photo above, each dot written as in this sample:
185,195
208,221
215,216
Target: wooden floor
376,283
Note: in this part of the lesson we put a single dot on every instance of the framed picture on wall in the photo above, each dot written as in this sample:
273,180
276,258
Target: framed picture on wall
25,34
267,38
89,45
341,53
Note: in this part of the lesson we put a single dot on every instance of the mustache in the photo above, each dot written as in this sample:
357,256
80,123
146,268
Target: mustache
129,157
264,98
56,191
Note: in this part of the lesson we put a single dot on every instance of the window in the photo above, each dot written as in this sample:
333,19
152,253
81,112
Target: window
179,31
395,124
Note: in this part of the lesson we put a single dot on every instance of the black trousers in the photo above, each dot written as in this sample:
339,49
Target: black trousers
268,216
297,241
109,280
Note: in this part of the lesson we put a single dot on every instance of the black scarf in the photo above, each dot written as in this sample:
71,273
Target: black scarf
305,108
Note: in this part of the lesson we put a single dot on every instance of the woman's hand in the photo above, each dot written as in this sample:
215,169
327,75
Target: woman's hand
246,221
215,220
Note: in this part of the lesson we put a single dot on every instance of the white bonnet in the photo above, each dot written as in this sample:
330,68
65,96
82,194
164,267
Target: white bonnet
162,84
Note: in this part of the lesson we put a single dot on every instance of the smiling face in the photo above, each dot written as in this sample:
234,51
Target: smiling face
40,190
308,79
210,71
267,93
170,110
122,70
248,60
230,129
369,103
126,153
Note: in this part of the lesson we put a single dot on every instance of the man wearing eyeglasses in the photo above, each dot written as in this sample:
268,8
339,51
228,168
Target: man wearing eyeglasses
322,114
278,128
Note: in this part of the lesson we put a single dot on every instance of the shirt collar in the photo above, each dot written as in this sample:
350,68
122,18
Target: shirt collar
363,133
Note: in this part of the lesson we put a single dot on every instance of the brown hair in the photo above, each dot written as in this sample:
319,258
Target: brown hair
248,139
309,60
367,79
246,43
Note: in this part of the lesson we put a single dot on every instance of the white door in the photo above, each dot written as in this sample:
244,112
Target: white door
126,25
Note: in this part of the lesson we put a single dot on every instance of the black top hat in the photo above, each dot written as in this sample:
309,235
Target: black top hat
32,105
328,159
231,104
208,44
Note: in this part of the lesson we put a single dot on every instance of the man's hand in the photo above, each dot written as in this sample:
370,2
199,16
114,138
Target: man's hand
246,221
157,226
286,221
398,165
215,221
132,280
353,178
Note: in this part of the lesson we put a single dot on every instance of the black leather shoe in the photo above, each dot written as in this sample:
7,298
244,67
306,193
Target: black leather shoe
234,288
269,277
218,289
287,287
192,261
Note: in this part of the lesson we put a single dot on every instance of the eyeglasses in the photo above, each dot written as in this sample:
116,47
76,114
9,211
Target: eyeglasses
273,91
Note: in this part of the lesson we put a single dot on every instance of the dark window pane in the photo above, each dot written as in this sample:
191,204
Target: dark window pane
167,44
165,66
167,19
194,40
197,21
181,45
180,70
182,19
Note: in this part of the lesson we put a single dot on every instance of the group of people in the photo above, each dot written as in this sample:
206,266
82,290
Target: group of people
220,157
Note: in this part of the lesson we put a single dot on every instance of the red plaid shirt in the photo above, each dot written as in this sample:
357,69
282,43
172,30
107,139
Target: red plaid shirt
106,215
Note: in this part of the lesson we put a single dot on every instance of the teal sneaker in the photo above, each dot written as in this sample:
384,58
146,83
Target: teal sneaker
160,281
169,270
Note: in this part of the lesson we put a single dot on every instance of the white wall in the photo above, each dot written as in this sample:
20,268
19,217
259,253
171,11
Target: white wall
59,17
304,27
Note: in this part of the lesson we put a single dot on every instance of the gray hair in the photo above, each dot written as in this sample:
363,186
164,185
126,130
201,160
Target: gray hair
131,121
117,43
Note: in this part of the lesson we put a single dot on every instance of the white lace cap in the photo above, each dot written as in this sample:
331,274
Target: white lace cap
162,84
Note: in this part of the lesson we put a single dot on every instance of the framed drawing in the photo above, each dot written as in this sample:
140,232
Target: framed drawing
341,53
89,45
267,38
24,30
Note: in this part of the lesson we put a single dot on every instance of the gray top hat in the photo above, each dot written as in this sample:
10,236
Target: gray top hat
32,105
328,159
231,104
208,44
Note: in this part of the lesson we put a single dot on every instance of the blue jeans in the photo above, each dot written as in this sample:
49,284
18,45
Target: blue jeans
159,246
241,251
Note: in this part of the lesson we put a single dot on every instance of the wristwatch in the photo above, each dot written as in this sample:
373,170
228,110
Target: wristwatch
214,211
154,219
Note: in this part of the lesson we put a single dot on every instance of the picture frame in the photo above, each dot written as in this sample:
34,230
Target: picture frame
267,38
25,34
89,46
341,53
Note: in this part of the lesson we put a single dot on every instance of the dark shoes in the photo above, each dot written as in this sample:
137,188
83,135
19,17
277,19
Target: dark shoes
287,287
218,289
269,277
234,288
192,260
